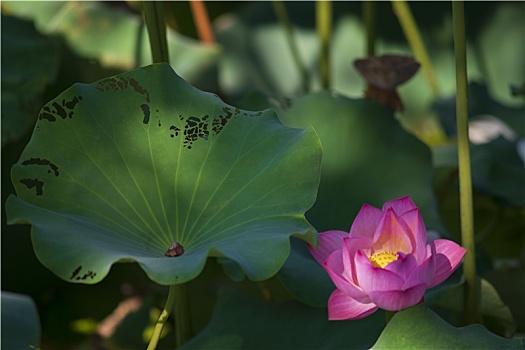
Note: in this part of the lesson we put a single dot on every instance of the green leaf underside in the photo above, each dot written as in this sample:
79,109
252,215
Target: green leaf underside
419,327
120,169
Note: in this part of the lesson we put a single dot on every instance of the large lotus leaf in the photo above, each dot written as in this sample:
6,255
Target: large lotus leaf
29,63
120,169
20,323
239,322
115,37
367,158
420,328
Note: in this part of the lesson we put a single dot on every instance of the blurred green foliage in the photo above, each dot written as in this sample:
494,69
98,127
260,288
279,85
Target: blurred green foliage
252,68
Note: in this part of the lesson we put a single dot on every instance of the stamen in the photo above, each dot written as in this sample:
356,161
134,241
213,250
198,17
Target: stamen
381,259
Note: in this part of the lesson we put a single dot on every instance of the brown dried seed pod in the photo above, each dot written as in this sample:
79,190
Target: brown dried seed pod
388,71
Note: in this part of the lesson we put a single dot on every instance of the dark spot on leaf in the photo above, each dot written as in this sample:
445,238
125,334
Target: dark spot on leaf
47,116
30,183
107,84
60,111
145,110
39,161
175,250
72,104
89,274
75,272
192,121
138,88
196,127
121,83
200,127
228,112
63,110
175,131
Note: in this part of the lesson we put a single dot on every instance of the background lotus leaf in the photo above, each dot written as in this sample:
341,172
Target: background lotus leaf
121,169
20,324
117,38
257,58
367,158
29,64
420,328
286,325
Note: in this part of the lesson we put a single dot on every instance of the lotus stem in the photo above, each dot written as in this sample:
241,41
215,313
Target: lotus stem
369,18
178,301
413,36
465,180
182,314
324,25
156,24
282,16
202,22
157,331
388,316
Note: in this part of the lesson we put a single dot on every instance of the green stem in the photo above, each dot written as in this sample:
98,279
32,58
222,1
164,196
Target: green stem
182,314
324,25
415,41
465,180
282,16
156,24
178,301
162,319
369,17
388,315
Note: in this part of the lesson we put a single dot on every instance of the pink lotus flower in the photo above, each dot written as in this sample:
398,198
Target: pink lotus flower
384,262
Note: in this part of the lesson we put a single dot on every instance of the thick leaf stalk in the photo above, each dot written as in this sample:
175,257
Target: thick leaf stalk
284,20
413,36
156,24
182,314
164,315
388,316
465,178
324,26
